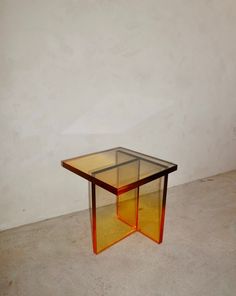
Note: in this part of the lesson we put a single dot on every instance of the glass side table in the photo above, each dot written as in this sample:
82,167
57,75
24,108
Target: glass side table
127,193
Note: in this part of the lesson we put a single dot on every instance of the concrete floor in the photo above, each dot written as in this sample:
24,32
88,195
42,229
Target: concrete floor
197,257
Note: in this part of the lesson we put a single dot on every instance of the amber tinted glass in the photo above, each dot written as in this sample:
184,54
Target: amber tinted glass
123,196
109,228
127,207
115,216
127,202
101,165
98,161
150,208
92,162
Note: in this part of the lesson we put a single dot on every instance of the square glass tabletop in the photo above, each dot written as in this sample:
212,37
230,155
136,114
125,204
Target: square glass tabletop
119,169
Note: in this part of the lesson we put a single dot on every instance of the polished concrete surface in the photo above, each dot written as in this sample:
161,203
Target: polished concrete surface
197,257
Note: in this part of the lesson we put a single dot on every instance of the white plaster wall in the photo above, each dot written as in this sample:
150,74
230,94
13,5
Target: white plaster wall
79,76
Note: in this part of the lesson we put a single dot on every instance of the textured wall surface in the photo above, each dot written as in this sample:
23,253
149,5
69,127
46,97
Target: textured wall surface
79,76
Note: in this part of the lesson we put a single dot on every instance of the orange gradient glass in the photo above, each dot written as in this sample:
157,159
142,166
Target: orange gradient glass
127,194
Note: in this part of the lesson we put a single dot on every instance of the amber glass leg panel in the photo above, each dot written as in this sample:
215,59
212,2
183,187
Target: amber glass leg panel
127,202
127,207
107,229
151,213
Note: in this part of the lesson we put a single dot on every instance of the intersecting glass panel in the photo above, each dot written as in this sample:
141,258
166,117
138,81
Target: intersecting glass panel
115,216
150,209
109,229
